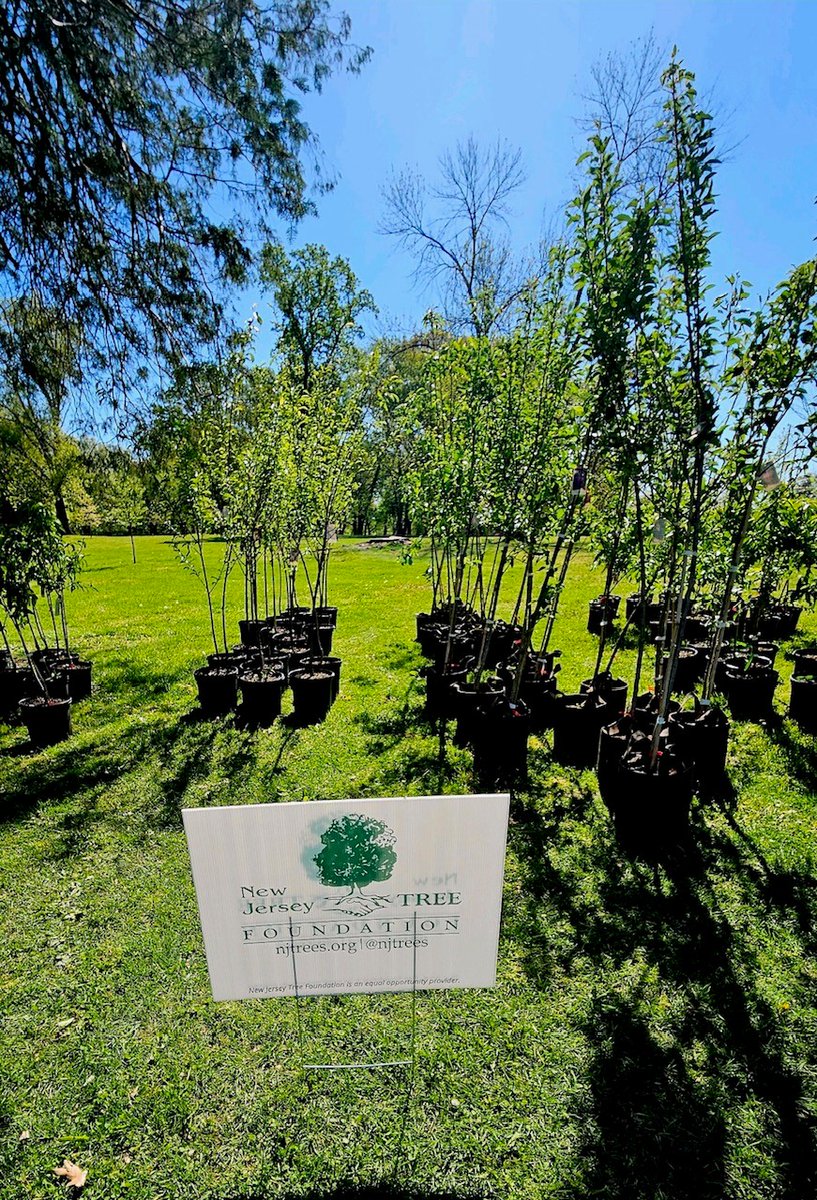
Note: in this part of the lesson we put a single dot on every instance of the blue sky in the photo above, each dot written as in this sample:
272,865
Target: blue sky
516,70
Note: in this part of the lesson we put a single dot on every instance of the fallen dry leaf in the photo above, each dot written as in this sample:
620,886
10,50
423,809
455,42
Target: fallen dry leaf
74,1175
25,1135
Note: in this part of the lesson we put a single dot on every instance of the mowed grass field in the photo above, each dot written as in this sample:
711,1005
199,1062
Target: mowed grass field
653,1032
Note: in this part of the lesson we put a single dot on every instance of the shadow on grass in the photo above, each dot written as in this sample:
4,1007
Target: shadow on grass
656,1132
179,750
409,745
374,1191
655,1126
799,750
122,675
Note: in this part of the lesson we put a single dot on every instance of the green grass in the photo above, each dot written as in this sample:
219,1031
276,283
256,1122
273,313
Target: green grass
653,1032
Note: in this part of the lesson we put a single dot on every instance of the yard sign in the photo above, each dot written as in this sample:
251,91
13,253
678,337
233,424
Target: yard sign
349,895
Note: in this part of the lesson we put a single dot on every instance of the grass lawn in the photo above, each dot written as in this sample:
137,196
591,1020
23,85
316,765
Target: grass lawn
653,1032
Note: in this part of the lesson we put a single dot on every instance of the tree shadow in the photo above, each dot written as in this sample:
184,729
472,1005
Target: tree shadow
799,750
409,745
121,675
655,1129
370,1191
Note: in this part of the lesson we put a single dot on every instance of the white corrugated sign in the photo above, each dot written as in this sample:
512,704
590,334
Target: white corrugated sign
349,895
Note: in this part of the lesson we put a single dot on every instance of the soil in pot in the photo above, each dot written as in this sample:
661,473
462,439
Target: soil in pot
701,737
311,695
261,693
218,689
769,650
737,661
47,721
750,691
231,659
324,662
696,628
578,722
652,808
803,701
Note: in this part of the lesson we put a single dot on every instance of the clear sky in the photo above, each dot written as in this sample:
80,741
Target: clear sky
516,70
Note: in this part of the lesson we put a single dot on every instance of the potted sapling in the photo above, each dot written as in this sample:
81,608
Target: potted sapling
31,548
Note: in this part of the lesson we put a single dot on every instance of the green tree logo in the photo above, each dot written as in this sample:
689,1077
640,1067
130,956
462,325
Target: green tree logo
357,850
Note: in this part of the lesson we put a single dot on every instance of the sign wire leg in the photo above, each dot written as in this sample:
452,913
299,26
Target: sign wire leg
297,995
412,1060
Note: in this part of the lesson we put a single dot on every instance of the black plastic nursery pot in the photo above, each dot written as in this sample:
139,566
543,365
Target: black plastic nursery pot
636,609
779,622
737,661
320,638
696,627
652,808
250,632
15,683
769,650
227,660
428,635
218,689
542,697
462,647
602,609
294,657
469,700
298,615
261,696
701,738
78,675
312,693
613,742
55,682
501,741
327,614
504,638
646,710
47,721
579,719
687,669
805,661
803,701
440,700
612,691
324,662
750,691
